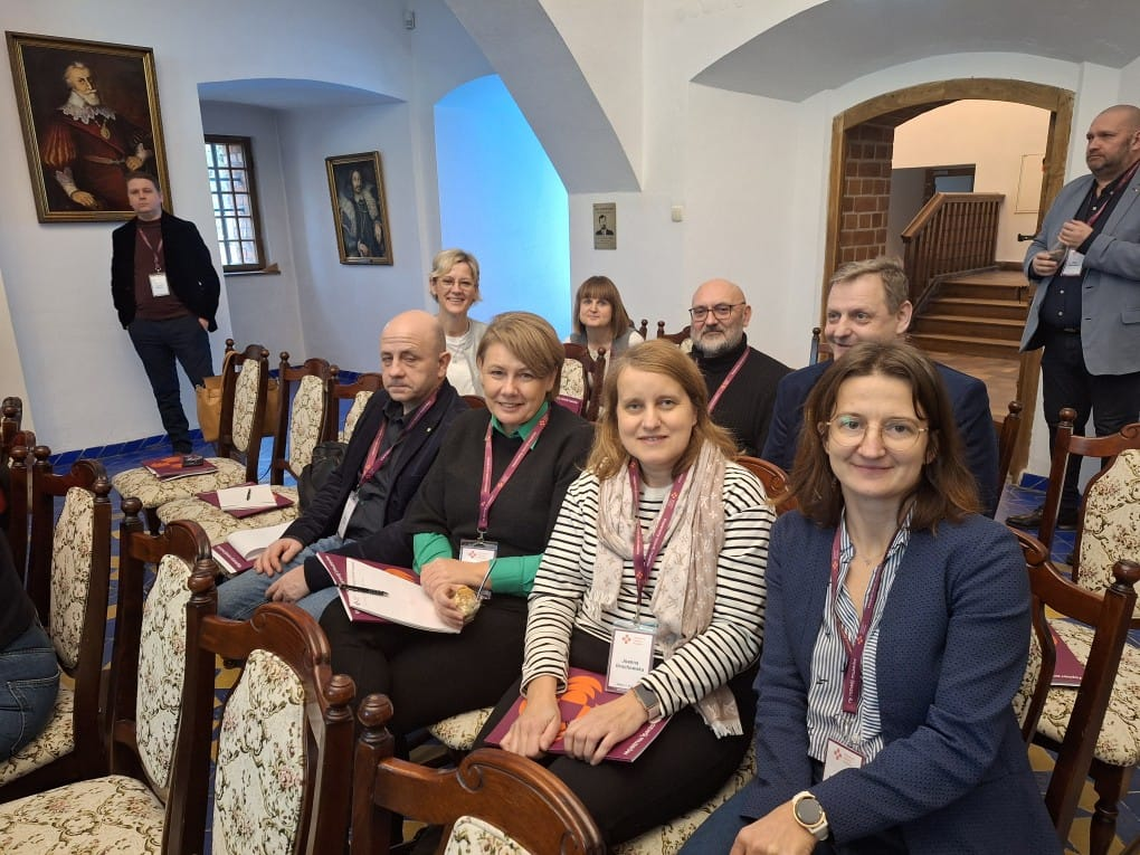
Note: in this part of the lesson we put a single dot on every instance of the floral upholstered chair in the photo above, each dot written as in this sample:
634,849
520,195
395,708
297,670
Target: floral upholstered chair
245,384
1093,726
494,802
572,388
296,434
68,580
285,741
359,392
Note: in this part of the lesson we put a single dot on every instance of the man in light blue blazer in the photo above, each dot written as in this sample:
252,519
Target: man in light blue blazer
1086,312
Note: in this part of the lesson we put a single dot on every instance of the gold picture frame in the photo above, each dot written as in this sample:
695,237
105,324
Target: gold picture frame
89,112
360,208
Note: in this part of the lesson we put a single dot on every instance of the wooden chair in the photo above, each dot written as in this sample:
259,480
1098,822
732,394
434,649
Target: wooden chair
1091,728
476,402
572,384
19,511
359,391
283,746
595,367
681,339
643,329
244,393
1007,430
492,800
69,570
1109,514
11,414
299,428
774,479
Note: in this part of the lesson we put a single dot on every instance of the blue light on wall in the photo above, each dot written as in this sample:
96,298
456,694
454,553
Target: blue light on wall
500,198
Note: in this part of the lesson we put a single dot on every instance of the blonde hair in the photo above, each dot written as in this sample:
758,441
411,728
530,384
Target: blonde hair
446,259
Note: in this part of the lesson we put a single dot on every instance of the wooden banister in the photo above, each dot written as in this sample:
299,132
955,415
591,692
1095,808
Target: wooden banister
952,233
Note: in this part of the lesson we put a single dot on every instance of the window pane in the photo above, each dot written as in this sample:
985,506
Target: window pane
239,180
220,155
245,228
209,154
227,203
224,183
221,230
237,158
243,207
249,252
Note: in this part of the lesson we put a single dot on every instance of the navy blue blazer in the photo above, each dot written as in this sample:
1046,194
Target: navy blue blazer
968,396
954,774
419,447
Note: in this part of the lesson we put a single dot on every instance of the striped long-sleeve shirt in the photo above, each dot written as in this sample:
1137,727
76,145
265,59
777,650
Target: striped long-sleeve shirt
707,661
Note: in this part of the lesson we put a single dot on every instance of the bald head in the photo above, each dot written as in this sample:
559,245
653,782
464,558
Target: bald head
413,357
720,313
1113,142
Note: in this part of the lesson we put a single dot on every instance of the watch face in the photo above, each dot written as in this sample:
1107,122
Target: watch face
808,811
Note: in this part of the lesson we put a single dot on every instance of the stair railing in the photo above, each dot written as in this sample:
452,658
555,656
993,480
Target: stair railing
953,233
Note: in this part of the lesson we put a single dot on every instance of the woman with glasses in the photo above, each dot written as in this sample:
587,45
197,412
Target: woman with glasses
897,632
601,321
454,285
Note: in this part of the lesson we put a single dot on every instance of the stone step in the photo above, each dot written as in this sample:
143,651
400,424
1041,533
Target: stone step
942,343
978,308
983,328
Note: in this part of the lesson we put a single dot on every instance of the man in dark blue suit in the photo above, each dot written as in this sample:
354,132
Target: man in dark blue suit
868,301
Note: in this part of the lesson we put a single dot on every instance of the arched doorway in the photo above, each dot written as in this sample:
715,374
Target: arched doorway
861,148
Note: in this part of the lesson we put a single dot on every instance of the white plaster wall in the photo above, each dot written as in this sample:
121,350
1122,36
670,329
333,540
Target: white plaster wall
263,307
11,372
993,135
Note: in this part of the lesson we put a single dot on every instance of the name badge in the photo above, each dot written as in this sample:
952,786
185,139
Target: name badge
158,285
631,655
474,551
349,507
1073,263
840,757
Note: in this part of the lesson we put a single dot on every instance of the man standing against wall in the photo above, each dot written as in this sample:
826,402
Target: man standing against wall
165,290
869,301
1086,311
741,380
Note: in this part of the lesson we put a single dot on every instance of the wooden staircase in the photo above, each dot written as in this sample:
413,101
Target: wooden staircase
982,314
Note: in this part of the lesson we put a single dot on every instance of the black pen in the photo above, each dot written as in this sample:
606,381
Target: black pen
360,589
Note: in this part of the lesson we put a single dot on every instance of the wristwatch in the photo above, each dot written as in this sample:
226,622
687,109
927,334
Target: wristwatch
649,700
809,813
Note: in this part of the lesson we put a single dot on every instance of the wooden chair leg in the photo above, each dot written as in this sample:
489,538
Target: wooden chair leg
1110,783
153,523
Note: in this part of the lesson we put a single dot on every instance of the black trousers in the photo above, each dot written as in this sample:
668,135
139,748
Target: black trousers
160,344
430,676
1113,400
682,769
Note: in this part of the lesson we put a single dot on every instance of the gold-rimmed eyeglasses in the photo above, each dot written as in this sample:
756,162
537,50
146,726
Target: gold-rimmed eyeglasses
451,282
898,434
721,311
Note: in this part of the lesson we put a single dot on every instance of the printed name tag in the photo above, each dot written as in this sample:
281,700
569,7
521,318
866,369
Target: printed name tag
349,507
840,757
1073,263
631,656
158,285
474,551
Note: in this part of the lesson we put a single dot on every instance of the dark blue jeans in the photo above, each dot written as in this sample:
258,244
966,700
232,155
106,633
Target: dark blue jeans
1113,400
159,344
29,680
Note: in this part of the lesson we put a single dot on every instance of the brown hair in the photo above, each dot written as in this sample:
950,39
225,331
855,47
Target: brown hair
608,456
888,268
946,489
530,339
138,173
601,288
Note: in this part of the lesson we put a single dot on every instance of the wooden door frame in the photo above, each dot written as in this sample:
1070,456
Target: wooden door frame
910,101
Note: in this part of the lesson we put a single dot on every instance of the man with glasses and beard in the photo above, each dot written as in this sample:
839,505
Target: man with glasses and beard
741,380
89,148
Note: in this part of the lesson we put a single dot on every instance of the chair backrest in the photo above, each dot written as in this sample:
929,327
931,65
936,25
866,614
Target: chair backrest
19,511
572,384
1007,440
11,413
245,389
285,742
1066,444
1108,613
1109,520
643,329
678,338
491,795
820,349
359,391
595,368
774,479
300,425
476,402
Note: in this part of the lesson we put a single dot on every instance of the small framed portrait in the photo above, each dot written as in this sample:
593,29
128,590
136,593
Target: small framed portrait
89,112
605,225
360,211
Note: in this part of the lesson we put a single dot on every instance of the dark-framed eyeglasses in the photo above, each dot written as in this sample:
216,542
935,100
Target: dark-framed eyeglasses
721,311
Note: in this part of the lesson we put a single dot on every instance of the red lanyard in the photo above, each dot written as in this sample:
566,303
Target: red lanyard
853,670
1122,181
153,251
375,461
731,376
487,496
644,559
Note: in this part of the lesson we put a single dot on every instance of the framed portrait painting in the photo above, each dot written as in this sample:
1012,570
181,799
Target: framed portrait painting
89,112
360,211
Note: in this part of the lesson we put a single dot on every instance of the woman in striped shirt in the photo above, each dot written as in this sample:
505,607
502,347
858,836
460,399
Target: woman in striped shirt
661,540
897,635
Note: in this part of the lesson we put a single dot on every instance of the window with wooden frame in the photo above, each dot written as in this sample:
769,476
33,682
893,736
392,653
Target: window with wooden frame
229,163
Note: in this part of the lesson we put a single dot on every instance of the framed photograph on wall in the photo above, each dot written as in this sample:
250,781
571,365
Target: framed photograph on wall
89,112
360,212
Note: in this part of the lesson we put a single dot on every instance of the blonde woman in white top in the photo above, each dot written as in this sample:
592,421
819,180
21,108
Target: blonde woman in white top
454,285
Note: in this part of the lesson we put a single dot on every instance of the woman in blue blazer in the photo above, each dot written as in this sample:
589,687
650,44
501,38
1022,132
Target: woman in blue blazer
897,632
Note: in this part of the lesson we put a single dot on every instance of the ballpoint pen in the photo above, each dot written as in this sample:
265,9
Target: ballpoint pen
360,589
